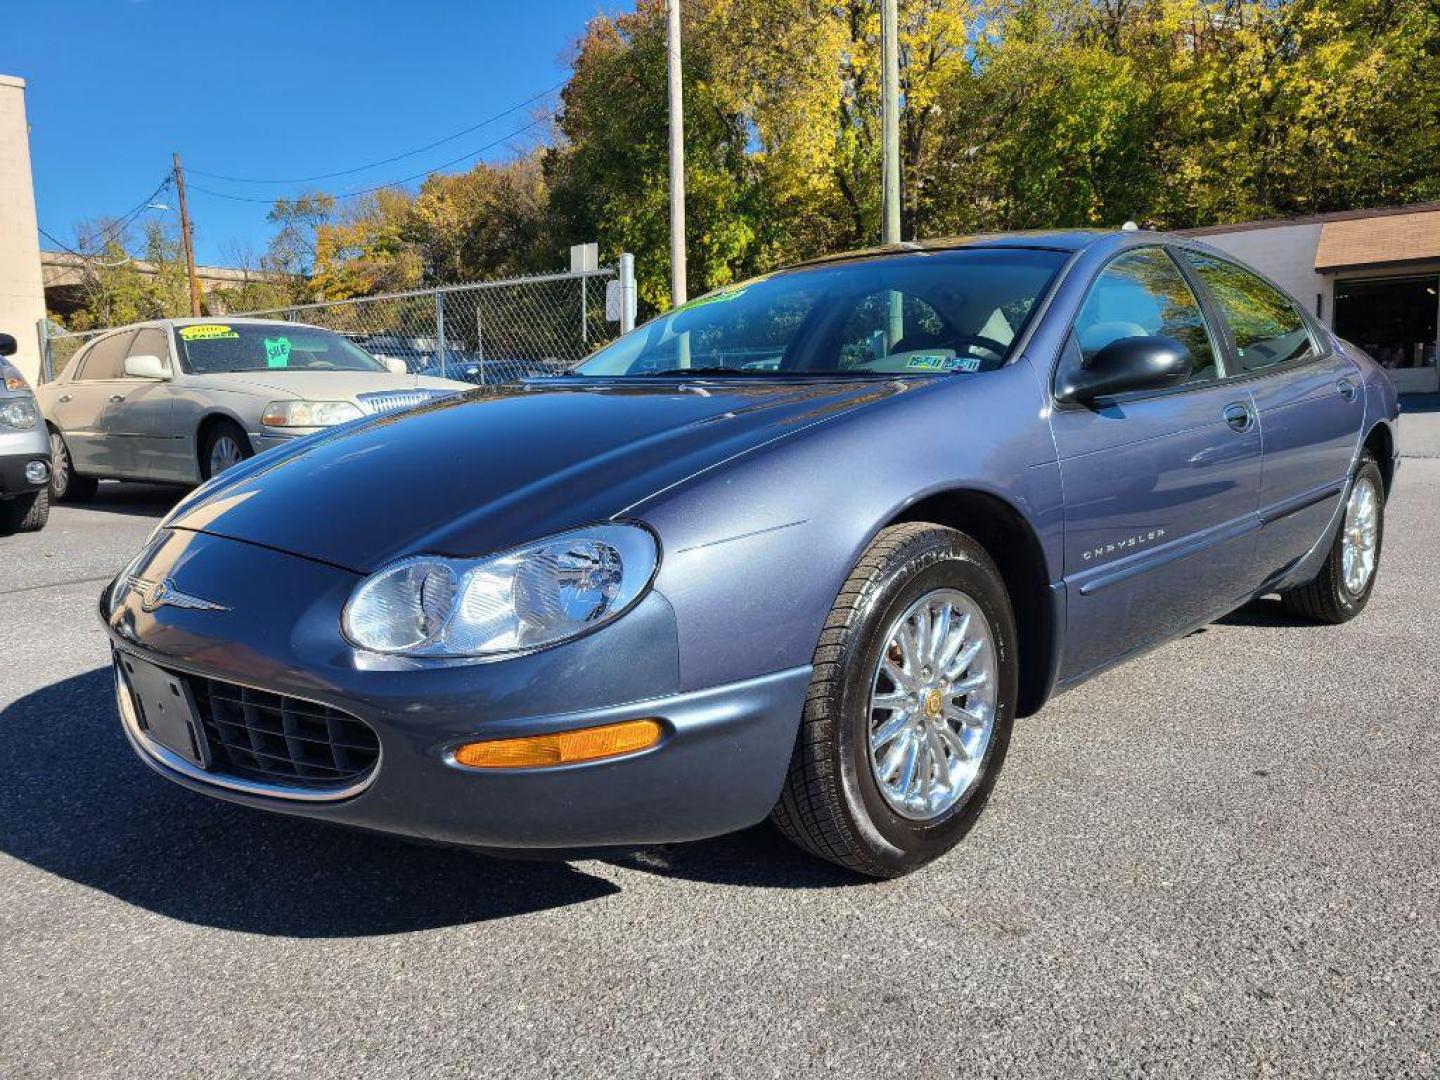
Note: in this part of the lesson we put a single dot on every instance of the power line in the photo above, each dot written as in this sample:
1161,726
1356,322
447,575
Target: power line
116,229
383,161
548,115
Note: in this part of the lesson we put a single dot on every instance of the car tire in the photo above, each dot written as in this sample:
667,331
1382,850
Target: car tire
1341,589
835,804
223,441
66,485
25,513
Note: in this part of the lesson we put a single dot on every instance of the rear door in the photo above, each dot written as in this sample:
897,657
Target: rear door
79,407
1161,488
1309,400
137,413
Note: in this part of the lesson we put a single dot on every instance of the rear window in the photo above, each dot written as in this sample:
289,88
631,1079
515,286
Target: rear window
1268,328
220,348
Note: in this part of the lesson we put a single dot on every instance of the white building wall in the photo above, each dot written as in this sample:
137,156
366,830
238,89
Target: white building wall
22,292
1286,255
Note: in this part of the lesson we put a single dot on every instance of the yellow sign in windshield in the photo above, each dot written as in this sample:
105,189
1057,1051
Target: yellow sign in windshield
206,331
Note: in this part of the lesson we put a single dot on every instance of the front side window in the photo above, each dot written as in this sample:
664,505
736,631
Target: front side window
1143,294
1268,330
105,359
921,313
221,348
150,342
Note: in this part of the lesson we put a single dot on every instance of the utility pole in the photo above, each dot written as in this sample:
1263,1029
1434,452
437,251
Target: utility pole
188,236
890,120
677,156
890,157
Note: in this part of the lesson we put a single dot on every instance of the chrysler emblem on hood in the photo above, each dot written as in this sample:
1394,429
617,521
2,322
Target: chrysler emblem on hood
158,594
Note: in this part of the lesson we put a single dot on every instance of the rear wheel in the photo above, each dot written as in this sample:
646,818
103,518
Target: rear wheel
909,712
1342,588
66,485
25,513
223,446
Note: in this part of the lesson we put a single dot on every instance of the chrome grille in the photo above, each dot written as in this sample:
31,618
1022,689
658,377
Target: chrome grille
256,735
386,401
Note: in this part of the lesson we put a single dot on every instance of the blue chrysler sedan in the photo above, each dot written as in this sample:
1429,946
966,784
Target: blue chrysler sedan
803,548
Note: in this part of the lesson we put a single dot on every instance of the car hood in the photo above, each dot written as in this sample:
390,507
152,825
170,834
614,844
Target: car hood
320,385
499,467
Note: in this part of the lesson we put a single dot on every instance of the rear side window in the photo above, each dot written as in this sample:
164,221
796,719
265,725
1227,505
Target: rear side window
1268,329
106,358
1143,294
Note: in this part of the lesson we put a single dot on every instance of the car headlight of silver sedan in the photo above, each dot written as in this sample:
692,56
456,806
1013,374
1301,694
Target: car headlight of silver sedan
309,414
534,596
19,413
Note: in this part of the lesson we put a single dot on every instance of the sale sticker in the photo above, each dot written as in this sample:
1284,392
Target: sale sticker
277,352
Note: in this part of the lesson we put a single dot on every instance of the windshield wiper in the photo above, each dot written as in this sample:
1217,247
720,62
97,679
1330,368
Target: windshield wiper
712,370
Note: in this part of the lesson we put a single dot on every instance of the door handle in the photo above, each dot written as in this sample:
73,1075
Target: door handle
1238,417
64,397
117,397
1346,388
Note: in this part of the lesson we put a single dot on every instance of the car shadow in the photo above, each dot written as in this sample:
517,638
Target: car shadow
132,499
77,803
1268,612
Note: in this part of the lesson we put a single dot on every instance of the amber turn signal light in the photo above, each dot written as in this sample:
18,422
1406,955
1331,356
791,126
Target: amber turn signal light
561,747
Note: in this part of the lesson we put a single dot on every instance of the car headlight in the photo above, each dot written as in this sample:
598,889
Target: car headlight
309,414
18,413
534,596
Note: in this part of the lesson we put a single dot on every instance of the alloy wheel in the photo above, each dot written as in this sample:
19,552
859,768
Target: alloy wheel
932,704
59,466
1362,532
224,452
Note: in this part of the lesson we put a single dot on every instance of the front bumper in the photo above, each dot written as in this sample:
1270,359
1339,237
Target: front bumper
17,450
718,767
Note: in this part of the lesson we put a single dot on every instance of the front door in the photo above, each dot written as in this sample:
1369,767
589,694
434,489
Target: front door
1161,489
137,417
1310,403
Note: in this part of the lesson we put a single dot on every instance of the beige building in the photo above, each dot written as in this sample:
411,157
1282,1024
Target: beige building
1371,275
22,292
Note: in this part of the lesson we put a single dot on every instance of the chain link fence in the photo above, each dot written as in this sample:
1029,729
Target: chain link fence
485,332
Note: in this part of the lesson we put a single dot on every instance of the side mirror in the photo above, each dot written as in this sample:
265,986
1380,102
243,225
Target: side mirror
8,346
397,367
1125,365
145,366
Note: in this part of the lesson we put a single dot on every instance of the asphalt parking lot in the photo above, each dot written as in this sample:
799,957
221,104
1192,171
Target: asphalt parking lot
1220,860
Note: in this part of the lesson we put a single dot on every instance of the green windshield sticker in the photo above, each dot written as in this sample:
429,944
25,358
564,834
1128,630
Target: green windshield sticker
277,352
929,362
965,363
206,332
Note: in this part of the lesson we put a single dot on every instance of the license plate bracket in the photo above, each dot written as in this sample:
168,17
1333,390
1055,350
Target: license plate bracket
166,709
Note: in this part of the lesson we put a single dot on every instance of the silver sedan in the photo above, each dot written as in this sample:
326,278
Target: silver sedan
179,400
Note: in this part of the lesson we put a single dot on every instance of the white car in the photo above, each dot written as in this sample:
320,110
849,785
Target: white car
179,400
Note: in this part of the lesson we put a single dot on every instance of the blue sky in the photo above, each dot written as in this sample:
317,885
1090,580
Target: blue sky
266,88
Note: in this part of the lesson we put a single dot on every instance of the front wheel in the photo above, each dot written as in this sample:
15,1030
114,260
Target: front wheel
1342,588
223,446
25,513
910,707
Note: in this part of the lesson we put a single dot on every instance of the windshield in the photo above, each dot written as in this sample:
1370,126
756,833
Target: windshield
925,312
219,348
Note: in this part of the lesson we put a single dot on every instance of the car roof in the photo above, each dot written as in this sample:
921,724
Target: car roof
1067,240
206,320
